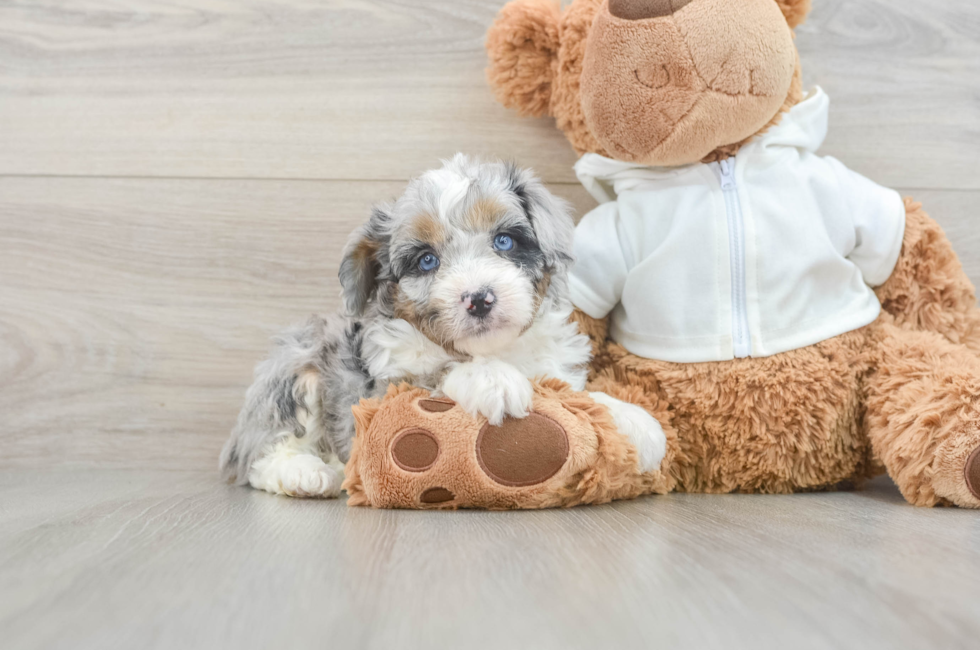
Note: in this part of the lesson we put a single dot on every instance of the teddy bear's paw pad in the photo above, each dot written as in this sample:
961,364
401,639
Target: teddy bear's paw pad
437,495
436,405
972,472
415,450
522,452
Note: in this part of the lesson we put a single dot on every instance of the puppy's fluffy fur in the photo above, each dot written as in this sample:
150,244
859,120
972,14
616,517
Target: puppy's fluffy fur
459,286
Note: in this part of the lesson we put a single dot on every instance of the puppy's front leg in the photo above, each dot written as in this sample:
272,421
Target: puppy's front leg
489,387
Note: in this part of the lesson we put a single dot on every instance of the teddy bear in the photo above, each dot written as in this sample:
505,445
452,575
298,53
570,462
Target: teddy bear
792,325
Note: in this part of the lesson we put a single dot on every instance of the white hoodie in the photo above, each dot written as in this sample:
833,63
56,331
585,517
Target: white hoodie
771,251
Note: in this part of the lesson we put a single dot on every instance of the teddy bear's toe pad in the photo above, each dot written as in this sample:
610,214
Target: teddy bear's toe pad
522,452
436,405
437,495
415,450
972,472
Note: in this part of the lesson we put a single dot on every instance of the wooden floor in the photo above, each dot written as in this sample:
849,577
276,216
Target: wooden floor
167,559
176,181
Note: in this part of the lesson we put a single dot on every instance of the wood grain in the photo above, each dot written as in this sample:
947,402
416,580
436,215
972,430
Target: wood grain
158,559
286,89
375,89
902,78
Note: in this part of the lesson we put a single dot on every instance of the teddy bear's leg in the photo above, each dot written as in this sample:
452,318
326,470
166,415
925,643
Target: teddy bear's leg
923,416
778,424
928,289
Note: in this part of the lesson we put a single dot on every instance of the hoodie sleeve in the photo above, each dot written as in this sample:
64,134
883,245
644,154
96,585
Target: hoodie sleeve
597,279
878,215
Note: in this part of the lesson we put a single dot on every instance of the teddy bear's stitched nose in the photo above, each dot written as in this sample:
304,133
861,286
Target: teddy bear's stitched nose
641,9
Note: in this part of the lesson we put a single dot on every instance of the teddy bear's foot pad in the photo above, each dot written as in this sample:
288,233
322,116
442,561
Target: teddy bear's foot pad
972,473
522,452
437,495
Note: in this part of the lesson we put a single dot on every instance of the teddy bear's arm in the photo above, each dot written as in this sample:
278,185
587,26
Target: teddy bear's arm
602,264
928,290
877,215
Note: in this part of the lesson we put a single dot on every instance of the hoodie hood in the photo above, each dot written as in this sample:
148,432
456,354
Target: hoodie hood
804,127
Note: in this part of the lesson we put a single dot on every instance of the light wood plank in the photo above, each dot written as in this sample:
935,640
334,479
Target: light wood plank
372,89
157,559
132,311
902,77
357,89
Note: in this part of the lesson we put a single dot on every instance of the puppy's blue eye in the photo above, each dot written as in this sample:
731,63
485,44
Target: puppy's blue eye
503,242
428,262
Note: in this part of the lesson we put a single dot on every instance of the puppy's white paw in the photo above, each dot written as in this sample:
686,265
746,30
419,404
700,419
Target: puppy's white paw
491,388
640,427
296,475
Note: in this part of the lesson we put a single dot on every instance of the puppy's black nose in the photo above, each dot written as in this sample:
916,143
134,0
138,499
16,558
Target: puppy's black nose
479,304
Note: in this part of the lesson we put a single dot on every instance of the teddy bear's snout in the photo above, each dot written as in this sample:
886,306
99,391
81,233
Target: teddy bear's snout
663,83
644,9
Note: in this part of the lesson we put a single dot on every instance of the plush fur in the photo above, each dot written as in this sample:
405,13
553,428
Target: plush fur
525,53
795,11
900,395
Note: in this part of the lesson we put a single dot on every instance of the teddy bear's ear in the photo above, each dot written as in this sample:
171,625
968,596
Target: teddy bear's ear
795,11
523,49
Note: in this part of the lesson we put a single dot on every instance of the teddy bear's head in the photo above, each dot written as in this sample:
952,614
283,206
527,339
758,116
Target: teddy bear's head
656,82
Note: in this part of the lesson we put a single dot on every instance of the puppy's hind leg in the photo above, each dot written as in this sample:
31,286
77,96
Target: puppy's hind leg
280,443
293,465
290,468
292,462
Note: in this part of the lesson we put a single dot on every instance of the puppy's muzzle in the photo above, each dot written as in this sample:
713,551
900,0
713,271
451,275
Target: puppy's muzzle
479,305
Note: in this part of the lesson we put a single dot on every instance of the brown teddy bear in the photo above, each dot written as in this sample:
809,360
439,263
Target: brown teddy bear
725,281
728,272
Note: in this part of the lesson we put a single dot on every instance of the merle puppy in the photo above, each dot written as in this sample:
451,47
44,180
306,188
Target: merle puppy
459,286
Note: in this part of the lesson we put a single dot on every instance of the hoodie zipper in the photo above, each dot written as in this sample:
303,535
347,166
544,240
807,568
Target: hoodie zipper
741,340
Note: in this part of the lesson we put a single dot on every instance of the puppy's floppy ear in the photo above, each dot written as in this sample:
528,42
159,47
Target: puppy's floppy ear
523,48
795,11
362,261
550,216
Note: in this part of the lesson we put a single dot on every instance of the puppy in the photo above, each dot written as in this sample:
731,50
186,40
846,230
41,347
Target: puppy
459,286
